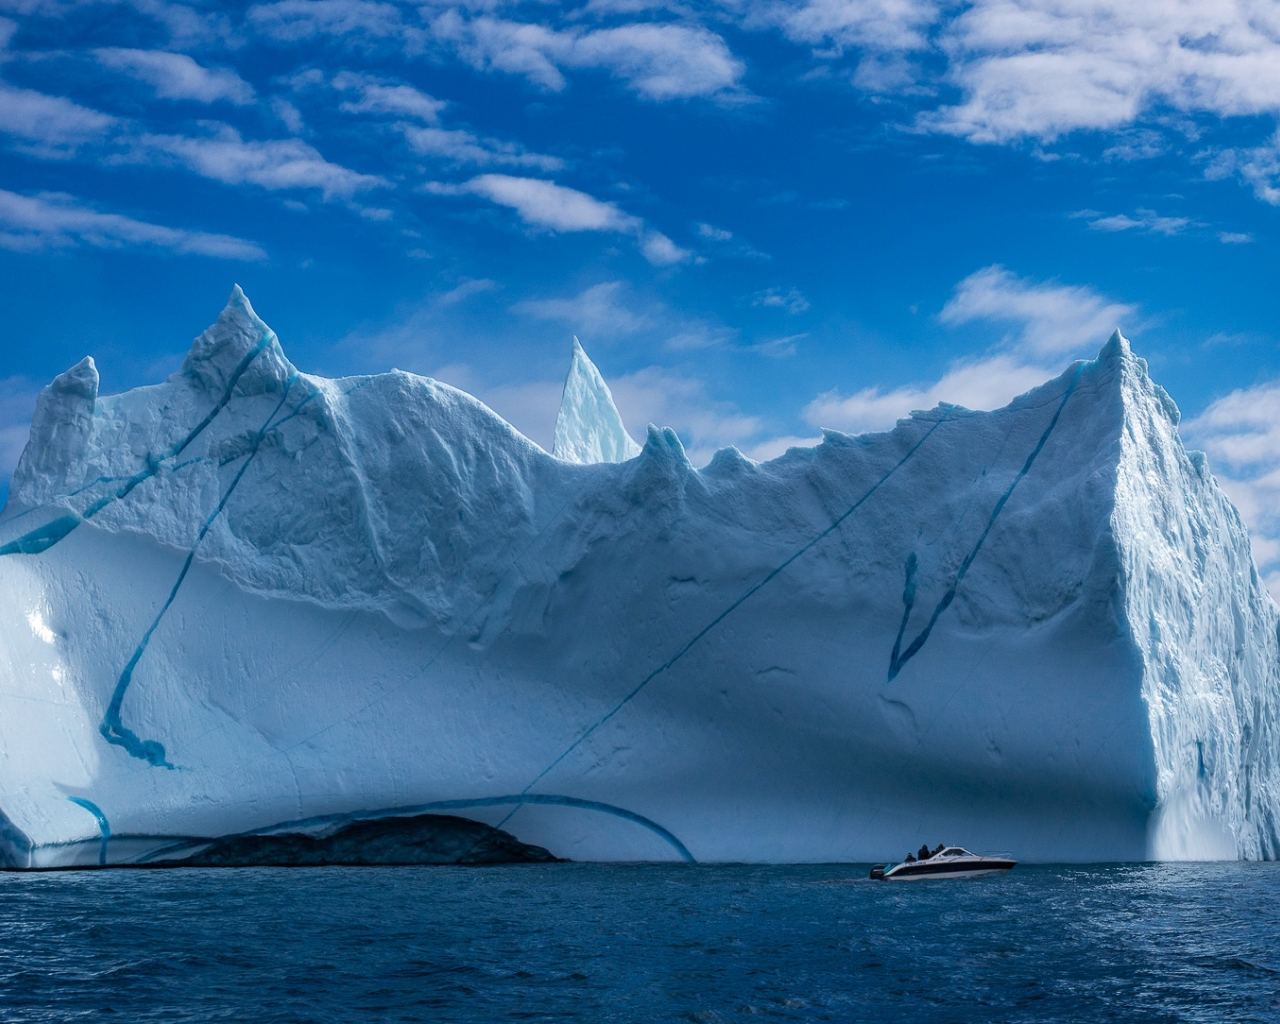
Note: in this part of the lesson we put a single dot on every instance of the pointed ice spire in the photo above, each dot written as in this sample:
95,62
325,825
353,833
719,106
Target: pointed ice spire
60,432
589,427
239,349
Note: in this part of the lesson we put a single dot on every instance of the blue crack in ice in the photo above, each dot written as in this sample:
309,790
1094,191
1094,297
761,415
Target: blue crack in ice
104,826
896,659
44,537
727,612
112,728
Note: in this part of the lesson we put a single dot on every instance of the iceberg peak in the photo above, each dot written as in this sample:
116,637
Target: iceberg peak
1117,346
239,349
589,428
60,426
81,381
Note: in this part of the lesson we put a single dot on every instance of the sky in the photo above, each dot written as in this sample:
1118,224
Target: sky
761,218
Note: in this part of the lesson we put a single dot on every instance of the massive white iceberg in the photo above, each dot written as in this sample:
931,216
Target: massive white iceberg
249,600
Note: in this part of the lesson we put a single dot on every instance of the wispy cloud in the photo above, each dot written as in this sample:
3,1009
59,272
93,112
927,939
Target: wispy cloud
373,95
273,164
547,206
596,312
667,398
1040,69
775,298
833,25
1046,317
1048,321
1146,221
17,402
51,220
611,310
353,21
658,61
1241,434
175,76
976,384
544,204
50,126
462,147
1257,166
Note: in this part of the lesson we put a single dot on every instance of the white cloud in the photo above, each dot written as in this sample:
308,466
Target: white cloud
544,204
658,61
1146,220
49,126
1048,318
609,310
175,76
47,220
1241,434
668,398
275,164
775,298
763,451
988,383
595,312
661,62
464,291
1234,238
1049,321
1042,68
779,348
378,96
461,147
871,24
349,20
17,402
1258,167
713,233
659,250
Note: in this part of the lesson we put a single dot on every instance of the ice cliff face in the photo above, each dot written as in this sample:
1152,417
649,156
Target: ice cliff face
252,601
589,427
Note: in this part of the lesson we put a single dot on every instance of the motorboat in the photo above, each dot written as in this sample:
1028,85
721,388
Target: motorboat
950,862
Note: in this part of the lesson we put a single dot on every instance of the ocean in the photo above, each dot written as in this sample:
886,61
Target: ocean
641,943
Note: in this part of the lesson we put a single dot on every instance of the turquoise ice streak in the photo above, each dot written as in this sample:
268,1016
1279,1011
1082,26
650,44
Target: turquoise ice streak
898,657
104,826
112,728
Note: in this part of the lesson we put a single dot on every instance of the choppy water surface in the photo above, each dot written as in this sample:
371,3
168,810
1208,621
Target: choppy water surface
597,943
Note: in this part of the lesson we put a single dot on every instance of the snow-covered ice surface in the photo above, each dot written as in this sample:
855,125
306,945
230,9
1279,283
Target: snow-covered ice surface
252,599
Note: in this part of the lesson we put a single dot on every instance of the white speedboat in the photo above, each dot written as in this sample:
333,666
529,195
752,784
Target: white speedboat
951,862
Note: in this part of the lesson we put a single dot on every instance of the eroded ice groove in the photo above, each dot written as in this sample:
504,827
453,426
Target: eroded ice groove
896,660
104,826
46,536
113,730
738,603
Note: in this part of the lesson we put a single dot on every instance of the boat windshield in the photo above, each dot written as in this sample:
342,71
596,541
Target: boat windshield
956,851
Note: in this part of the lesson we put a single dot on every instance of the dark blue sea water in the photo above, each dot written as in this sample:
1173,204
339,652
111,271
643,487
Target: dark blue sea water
570,942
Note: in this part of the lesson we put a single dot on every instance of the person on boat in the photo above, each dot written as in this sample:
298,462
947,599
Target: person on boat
910,859
924,853
941,847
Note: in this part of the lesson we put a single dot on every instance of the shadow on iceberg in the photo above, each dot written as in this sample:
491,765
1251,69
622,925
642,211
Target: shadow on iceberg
421,839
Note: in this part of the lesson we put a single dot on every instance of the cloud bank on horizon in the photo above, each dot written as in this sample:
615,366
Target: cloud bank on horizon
762,217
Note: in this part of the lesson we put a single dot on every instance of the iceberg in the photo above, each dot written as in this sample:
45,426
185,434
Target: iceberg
252,614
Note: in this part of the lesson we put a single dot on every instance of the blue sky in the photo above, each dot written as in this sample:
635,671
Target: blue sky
761,218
